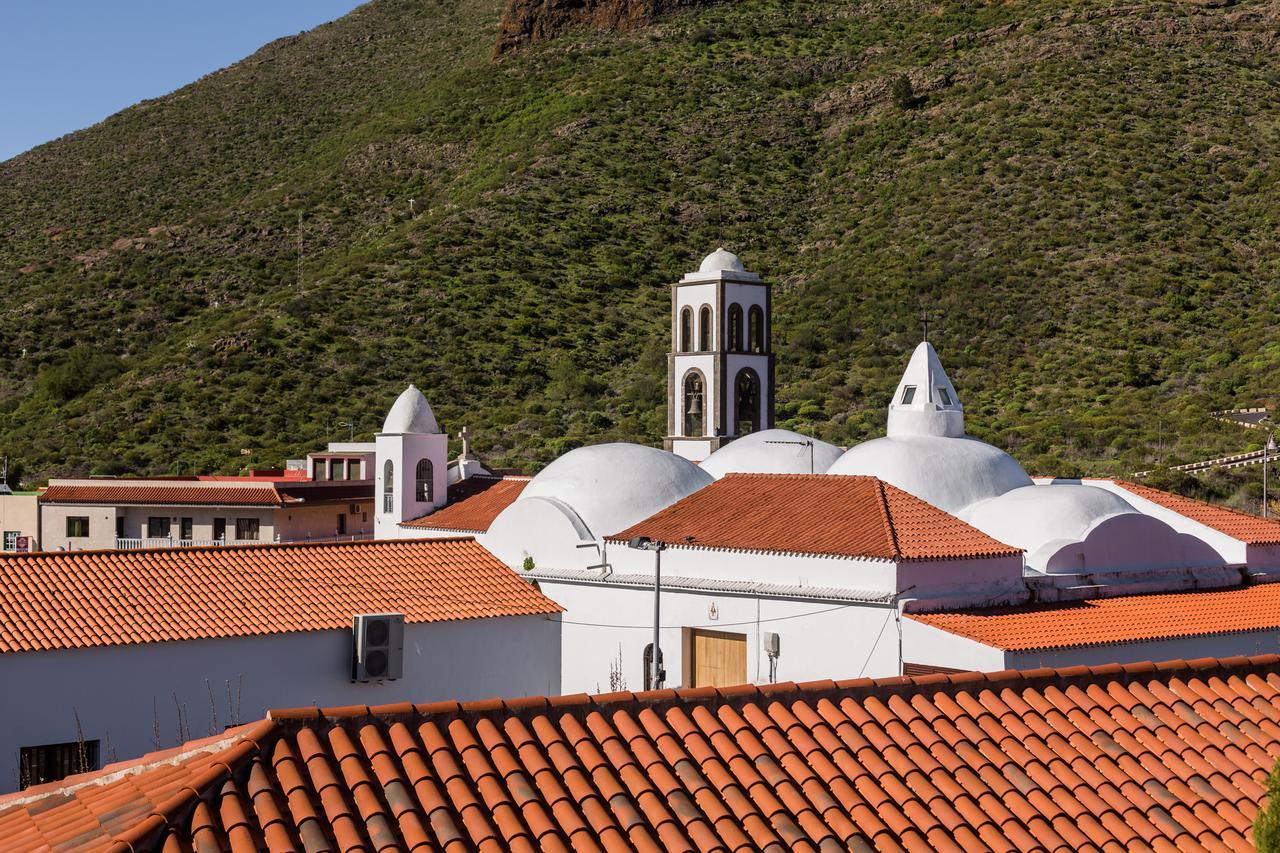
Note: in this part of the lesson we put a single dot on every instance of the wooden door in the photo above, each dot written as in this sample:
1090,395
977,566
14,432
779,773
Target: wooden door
716,658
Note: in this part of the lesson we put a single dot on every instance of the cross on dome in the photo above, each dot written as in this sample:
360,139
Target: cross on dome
925,402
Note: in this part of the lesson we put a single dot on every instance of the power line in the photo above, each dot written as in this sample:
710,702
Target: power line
722,624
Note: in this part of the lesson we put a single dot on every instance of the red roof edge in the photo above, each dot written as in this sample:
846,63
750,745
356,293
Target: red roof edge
368,543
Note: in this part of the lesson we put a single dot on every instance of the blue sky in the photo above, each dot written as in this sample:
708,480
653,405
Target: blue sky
67,64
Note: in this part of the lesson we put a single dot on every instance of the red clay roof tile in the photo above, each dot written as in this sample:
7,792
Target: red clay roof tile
834,515
1248,528
1132,618
743,768
473,504
198,593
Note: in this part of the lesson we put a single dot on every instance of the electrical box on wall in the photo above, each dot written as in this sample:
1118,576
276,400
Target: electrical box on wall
377,647
772,644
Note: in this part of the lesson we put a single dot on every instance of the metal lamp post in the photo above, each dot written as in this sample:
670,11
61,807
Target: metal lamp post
1267,450
643,543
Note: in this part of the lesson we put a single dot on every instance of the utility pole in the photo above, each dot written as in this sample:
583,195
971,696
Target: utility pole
657,674
1267,450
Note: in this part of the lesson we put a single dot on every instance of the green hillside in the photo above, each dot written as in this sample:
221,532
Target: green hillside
1086,200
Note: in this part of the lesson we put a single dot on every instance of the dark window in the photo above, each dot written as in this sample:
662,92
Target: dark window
944,396
119,526
186,529
735,328
388,487
322,469
247,529
704,329
755,328
353,469
908,394
220,529
693,414
342,524
337,469
158,527
686,330
423,481
54,761
77,526
746,405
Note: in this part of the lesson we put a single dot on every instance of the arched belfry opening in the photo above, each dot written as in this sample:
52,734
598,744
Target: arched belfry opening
746,402
723,387
424,481
694,404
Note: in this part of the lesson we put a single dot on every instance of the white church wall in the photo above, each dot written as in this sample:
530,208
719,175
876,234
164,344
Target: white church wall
121,692
543,529
819,639
693,297
1181,648
1230,549
805,570
745,295
931,646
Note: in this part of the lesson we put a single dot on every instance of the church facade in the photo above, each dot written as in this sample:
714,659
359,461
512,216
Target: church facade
783,557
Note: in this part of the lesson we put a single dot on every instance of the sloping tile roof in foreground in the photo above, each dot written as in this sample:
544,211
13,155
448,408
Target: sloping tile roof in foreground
1127,619
1248,528
1169,756
473,504
73,599
831,515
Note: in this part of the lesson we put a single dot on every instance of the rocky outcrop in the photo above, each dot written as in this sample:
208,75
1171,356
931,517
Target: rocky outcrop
529,21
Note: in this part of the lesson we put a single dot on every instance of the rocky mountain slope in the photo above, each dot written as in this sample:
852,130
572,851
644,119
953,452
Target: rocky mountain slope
1083,195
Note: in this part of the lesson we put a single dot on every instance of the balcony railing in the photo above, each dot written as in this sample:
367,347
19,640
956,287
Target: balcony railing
163,542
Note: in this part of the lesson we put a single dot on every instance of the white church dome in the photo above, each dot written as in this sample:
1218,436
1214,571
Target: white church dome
721,260
411,413
762,453
1031,516
950,473
612,486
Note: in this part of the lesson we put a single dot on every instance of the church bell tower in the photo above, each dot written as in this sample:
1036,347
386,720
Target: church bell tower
720,368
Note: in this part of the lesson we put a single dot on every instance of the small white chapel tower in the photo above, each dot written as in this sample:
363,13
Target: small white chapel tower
720,369
925,402
412,464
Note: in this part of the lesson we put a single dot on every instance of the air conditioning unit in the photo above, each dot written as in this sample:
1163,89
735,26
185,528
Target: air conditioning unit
377,647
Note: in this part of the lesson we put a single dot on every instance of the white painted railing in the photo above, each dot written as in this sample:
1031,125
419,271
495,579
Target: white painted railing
164,542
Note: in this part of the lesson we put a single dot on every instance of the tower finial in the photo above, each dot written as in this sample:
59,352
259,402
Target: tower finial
924,319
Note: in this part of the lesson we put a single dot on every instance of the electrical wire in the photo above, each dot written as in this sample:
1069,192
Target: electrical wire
876,644
713,625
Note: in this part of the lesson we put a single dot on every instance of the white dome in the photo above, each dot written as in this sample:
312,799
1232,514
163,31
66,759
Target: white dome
721,260
411,413
754,454
950,473
1031,516
612,486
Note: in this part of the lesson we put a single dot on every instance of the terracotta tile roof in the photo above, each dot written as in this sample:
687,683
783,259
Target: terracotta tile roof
1127,619
833,515
192,494
1248,528
73,599
1168,756
473,504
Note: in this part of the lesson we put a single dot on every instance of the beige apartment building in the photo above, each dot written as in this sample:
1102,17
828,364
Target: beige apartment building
19,521
93,514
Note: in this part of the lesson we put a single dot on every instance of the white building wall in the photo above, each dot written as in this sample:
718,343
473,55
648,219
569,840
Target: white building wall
1183,648
1231,550
819,639
925,644
121,693
694,296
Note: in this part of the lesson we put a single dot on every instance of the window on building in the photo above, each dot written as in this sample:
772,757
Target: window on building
337,469
187,529
77,526
755,328
389,487
423,482
686,330
746,403
51,762
342,524
693,408
247,529
158,527
944,397
220,530
704,329
119,526
735,328
11,540
908,394
353,469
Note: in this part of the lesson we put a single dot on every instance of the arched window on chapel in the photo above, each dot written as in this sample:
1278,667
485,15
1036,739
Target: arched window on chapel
735,328
704,329
389,487
424,488
686,330
746,402
755,329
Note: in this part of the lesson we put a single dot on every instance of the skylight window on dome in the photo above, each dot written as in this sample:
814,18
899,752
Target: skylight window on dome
908,394
944,396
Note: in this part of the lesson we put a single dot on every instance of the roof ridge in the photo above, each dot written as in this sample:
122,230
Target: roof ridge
888,518
898,685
